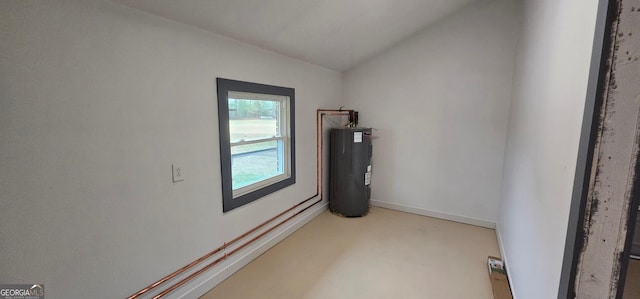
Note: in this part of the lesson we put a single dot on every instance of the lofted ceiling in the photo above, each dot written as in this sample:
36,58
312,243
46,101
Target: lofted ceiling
336,34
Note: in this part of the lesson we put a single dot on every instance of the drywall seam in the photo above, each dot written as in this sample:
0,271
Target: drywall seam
435,214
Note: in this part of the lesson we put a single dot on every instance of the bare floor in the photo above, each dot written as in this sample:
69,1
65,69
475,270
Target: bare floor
386,254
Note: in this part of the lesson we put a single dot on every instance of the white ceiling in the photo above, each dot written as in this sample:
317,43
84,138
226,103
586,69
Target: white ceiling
336,34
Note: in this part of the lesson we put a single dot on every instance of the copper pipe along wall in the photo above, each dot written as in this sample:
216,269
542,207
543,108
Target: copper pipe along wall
214,263
320,113
213,252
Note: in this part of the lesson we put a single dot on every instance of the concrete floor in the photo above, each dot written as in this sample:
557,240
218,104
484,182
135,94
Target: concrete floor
386,254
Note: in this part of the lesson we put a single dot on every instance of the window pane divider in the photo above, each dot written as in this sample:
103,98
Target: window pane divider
253,141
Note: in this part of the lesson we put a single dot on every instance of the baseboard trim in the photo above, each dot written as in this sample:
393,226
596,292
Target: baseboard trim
505,259
434,214
213,277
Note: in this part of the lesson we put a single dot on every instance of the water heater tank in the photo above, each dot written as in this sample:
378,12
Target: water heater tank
350,171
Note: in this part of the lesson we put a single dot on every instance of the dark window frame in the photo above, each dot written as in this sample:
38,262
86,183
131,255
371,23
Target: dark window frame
223,87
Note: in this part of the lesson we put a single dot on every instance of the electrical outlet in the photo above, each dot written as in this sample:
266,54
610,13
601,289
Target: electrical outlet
177,173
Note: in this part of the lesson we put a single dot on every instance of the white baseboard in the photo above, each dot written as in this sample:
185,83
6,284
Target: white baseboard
505,259
216,275
434,214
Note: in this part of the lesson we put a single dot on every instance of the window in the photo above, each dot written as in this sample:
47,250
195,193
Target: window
256,140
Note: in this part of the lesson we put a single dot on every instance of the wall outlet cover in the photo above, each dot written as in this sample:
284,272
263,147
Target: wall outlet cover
177,173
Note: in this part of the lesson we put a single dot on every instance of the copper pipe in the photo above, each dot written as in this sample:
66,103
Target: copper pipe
214,263
270,229
320,142
335,110
320,113
176,273
194,274
268,221
213,252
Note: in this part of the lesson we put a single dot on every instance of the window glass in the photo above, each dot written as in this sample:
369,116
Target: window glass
256,140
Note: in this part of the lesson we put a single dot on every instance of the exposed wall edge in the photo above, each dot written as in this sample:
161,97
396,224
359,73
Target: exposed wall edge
213,277
435,214
505,259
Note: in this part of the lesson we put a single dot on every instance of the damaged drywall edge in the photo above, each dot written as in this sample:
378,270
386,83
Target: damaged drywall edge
608,207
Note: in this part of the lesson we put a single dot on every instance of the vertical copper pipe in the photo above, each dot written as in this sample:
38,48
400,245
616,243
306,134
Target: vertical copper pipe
320,143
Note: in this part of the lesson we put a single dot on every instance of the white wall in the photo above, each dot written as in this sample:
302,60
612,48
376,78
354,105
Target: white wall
97,100
550,85
440,103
